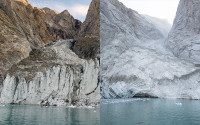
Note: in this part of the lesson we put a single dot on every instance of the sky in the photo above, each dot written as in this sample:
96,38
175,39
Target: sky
77,8
163,9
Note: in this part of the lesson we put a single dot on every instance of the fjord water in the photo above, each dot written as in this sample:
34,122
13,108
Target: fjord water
150,112
38,115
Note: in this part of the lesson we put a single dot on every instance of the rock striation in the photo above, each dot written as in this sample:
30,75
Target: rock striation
52,75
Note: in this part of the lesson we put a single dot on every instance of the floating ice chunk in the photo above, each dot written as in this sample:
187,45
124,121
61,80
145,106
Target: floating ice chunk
179,103
72,106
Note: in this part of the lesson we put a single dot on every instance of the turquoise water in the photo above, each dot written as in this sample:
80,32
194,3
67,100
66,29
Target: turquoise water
150,112
37,115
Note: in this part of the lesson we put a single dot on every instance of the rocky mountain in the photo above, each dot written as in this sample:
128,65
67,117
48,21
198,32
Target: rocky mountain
26,27
87,45
184,36
135,61
92,23
40,56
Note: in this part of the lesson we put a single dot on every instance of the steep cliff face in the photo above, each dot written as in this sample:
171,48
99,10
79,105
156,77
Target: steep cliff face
135,61
28,20
87,47
52,75
63,25
91,25
88,43
184,36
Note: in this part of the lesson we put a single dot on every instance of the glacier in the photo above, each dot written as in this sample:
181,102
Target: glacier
53,75
136,58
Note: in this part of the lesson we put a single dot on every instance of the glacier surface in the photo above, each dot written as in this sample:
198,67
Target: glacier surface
136,60
53,75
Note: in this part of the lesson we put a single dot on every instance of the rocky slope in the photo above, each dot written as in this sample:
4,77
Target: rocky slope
92,23
26,27
135,61
184,36
39,67
88,44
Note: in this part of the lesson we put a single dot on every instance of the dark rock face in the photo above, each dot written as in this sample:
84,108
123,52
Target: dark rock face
91,26
63,20
87,47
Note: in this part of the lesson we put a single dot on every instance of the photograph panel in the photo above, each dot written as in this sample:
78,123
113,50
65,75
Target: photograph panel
49,62
150,62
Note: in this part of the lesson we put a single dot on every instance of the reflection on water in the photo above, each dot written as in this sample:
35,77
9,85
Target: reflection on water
37,115
150,112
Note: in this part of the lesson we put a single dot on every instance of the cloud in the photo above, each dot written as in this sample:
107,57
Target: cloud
75,10
163,9
78,11
58,7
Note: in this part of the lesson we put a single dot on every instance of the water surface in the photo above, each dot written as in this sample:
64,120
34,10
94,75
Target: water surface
38,115
150,112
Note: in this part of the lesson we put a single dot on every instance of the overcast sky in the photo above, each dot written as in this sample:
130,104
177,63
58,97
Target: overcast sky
78,8
164,9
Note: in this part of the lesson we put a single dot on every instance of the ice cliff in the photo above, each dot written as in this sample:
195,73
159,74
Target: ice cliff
136,60
53,75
